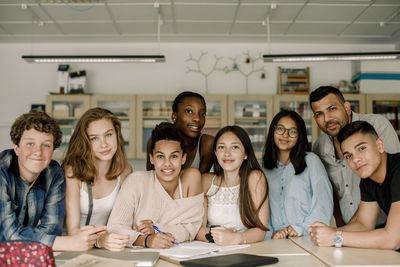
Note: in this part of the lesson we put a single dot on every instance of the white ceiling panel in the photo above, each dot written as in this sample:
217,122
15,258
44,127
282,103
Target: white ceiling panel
31,29
254,12
330,12
94,28
316,28
378,13
204,12
140,28
77,12
203,28
371,29
133,12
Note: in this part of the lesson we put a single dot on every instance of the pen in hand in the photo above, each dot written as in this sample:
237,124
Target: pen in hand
158,230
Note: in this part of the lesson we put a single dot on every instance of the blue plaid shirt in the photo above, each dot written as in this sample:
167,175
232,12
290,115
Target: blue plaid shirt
35,214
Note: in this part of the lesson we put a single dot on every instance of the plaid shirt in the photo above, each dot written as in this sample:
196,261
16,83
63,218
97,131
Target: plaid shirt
35,214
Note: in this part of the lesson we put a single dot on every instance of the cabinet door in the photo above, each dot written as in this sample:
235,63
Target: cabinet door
386,105
66,109
151,110
123,106
357,102
300,104
217,113
254,114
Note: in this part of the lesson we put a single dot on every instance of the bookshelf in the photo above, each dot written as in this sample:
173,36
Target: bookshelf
294,81
387,105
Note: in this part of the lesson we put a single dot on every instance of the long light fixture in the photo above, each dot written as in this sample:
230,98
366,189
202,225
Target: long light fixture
387,55
95,59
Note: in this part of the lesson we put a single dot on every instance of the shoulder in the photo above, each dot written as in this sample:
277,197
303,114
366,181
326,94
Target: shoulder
207,141
206,180
256,178
139,177
191,178
55,171
6,158
312,158
375,120
128,170
320,144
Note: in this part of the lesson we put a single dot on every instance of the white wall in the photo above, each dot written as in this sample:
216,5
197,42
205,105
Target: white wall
23,84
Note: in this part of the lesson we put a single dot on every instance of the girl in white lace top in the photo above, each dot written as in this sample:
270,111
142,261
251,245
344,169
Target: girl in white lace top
236,195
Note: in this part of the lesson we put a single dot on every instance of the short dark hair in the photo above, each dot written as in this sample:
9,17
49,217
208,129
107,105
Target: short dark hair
297,153
38,120
323,91
179,99
356,127
165,131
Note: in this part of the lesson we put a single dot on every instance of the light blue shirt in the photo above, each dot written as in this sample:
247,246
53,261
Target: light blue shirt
299,200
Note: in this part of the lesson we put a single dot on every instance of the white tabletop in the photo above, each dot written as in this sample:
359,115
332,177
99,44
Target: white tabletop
346,256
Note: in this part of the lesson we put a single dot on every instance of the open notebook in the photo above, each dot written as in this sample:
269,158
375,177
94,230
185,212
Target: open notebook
140,259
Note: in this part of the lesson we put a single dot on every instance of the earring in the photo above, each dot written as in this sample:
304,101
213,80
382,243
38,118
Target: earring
174,120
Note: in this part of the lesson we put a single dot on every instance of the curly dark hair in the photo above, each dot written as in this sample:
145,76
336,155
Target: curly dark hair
165,131
38,120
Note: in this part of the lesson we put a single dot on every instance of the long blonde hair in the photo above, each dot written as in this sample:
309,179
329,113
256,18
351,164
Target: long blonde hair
79,155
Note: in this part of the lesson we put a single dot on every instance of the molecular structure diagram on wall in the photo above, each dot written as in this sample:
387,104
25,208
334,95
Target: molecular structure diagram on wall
245,64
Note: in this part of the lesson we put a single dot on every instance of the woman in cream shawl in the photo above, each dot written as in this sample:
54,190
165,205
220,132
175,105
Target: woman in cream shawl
167,198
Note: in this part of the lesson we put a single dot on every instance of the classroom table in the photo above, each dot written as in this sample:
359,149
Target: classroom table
288,253
345,256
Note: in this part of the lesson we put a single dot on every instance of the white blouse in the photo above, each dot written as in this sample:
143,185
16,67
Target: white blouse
223,207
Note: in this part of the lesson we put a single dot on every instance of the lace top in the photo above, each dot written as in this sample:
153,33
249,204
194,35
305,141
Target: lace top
223,207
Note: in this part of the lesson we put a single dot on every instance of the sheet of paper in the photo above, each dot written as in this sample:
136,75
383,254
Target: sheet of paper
192,249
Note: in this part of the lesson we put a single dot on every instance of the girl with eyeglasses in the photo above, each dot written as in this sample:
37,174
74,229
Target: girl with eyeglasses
299,189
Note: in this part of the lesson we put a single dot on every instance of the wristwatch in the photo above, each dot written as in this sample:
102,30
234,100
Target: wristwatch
338,239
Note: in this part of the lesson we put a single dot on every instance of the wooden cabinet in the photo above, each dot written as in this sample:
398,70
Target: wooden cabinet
151,110
217,113
357,102
124,107
387,105
300,104
254,114
66,109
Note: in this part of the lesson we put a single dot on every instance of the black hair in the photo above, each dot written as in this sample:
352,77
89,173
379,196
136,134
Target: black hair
297,153
248,213
165,131
356,127
179,99
323,91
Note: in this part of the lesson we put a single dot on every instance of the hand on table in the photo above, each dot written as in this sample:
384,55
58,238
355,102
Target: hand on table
321,234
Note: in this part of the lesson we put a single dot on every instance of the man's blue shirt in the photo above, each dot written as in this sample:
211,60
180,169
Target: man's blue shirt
30,212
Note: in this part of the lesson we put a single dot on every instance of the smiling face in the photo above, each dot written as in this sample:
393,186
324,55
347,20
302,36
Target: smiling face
331,115
230,152
284,142
103,139
190,117
34,152
363,153
167,158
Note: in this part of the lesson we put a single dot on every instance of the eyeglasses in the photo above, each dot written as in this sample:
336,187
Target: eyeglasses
292,132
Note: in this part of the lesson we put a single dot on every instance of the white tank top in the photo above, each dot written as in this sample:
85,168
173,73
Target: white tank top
223,207
101,207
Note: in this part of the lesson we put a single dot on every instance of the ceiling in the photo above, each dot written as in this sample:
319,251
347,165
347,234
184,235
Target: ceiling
325,21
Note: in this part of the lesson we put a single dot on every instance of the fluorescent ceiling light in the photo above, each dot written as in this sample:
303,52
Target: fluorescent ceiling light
96,59
332,56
